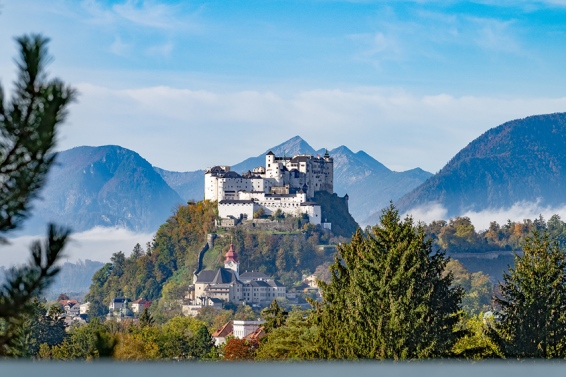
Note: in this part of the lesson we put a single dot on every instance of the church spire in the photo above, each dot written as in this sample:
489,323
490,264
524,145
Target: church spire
231,255
231,260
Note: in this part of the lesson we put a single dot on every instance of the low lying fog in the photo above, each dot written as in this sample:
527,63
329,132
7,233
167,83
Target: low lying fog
518,212
97,244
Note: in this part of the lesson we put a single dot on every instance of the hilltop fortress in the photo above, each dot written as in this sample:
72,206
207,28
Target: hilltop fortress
285,183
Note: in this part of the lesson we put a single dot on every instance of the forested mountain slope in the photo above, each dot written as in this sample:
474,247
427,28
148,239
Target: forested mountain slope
521,160
103,186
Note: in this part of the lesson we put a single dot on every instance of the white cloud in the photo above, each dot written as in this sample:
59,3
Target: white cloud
517,212
97,244
162,50
496,36
417,36
150,14
428,213
182,129
481,219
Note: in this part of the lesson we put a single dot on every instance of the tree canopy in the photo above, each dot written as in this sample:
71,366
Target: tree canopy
388,297
532,320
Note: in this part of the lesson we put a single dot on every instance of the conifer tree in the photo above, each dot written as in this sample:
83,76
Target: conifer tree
201,343
28,128
532,316
388,297
146,319
274,316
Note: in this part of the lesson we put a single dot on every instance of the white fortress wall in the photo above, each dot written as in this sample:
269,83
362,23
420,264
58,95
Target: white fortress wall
210,187
237,208
272,187
313,211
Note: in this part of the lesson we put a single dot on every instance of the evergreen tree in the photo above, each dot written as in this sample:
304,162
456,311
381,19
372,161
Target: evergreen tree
146,319
274,316
388,297
532,319
295,340
137,252
201,343
42,326
28,125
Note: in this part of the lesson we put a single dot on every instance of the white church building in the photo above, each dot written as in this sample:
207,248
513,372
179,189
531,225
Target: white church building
285,183
215,287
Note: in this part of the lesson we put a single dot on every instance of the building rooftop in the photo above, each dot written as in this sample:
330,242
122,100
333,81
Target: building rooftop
220,276
259,283
253,275
275,283
235,201
224,331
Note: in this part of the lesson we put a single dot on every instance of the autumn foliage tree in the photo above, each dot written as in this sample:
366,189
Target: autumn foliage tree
240,349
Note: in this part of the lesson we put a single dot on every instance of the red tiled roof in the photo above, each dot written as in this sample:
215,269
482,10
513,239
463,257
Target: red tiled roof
231,255
224,331
257,334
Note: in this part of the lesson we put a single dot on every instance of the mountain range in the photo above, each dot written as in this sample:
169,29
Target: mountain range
523,160
369,184
107,186
111,186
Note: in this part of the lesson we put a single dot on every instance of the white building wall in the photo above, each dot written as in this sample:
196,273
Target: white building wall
314,212
210,187
237,209
84,308
241,329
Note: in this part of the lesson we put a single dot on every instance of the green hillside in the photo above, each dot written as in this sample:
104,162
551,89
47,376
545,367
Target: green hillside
163,270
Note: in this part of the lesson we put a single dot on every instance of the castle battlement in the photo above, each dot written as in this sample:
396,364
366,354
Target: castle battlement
284,183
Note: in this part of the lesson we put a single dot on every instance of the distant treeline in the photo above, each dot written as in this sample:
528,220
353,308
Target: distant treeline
459,235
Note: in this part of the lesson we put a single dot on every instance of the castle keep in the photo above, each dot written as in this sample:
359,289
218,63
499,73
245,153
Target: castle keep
285,183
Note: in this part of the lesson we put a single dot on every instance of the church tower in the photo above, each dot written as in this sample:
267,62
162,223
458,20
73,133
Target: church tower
231,261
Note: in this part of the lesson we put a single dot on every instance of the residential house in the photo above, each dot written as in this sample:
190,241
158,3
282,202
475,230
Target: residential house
72,310
222,333
84,308
118,303
240,330
139,305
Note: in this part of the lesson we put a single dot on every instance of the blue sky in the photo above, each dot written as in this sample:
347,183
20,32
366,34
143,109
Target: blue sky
190,84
